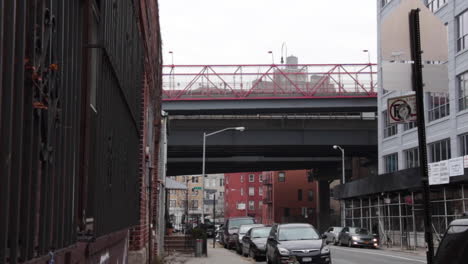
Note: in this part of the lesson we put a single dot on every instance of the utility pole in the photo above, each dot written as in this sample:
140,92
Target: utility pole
187,205
214,219
417,78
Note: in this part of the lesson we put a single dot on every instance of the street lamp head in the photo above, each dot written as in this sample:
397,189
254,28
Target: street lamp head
269,52
240,128
365,50
335,147
170,52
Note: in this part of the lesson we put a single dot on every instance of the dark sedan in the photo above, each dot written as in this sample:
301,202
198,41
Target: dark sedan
356,236
296,243
254,242
243,229
231,229
453,249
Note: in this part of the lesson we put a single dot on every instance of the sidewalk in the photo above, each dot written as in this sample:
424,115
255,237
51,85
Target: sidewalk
418,252
215,255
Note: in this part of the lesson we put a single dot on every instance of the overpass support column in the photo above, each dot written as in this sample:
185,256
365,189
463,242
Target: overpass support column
323,212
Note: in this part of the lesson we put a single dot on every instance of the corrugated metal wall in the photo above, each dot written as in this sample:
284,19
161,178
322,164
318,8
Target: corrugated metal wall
63,162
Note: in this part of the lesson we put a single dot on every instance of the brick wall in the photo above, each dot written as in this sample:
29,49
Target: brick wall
149,25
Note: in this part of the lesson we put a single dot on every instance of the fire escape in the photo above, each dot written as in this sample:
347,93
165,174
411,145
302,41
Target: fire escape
268,197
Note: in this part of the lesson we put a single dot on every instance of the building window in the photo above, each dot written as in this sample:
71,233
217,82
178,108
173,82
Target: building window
242,191
194,204
221,194
287,212
221,182
391,163
281,177
435,5
462,31
462,82
384,2
439,106
389,129
194,192
439,150
409,125
260,178
251,178
172,203
260,204
299,194
240,206
260,191
251,205
310,195
463,144
411,158
242,178
195,179
251,191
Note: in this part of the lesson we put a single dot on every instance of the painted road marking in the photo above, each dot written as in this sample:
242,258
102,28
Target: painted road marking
378,254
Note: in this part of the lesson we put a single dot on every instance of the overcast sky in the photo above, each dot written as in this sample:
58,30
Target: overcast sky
243,31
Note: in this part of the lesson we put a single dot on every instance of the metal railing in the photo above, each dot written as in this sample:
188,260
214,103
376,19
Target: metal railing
221,82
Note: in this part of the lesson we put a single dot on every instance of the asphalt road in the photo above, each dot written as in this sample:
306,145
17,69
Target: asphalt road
344,255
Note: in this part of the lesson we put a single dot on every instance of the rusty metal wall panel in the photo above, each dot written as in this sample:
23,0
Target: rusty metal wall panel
6,124
40,85
115,158
44,52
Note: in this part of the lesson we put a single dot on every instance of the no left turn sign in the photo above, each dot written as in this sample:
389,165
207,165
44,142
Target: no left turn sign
402,109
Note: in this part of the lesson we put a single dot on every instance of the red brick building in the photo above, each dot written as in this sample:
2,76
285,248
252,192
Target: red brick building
289,196
243,195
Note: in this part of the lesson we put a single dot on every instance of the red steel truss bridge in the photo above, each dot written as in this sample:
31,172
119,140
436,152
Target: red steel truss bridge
262,81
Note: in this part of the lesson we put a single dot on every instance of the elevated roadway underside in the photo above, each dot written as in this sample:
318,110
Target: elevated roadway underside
202,106
270,142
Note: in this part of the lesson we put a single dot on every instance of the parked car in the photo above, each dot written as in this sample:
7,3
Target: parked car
453,249
219,233
356,236
332,234
209,227
231,228
254,242
296,243
243,229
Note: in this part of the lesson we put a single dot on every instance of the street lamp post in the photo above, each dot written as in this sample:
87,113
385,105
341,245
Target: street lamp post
370,67
284,55
205,135
172,57
272,57
343,181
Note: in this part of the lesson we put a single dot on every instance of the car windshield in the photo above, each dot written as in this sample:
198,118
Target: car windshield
359,231
261,232
236,223
337,229
297,233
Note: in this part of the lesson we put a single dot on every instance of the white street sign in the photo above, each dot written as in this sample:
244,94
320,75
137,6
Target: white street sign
444,172
456,167
402,109
434,173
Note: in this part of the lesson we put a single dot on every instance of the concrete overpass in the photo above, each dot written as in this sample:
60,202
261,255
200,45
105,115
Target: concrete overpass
293,114
270,142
